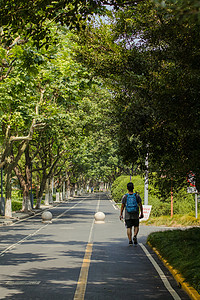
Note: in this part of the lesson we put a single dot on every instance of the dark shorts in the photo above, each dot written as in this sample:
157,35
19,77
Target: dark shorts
132,222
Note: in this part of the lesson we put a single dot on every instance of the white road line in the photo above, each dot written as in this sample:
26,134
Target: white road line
161,274
67,210
113,204
98,204
115,207
22,220
21,241
35,232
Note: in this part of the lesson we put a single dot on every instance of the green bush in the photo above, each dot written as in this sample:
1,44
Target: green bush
159,208
16,205
183,202
119,187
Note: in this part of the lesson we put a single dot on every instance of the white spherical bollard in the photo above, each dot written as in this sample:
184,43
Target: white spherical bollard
46,217
99,217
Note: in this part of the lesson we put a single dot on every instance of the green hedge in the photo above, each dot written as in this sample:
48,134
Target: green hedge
183,202
119,187
181,248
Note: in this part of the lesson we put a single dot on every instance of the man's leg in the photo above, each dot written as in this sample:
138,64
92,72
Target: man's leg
129,233
136,230
129,226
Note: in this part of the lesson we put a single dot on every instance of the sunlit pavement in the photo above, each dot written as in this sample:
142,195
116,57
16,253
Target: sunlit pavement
53,261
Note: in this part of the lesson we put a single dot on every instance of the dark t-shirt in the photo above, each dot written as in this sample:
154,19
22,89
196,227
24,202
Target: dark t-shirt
134,215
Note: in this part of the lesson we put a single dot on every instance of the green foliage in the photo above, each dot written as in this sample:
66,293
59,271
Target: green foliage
159,208
183,203
160,189
175,221
151,63
119,186
181,249
16,205
183,10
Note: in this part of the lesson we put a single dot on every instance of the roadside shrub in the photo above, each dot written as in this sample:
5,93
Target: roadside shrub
119,186
183,202
16,205
159,208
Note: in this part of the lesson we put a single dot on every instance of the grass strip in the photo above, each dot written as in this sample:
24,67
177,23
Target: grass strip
175,221
181,248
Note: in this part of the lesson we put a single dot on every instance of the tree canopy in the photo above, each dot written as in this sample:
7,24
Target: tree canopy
152,63
86,83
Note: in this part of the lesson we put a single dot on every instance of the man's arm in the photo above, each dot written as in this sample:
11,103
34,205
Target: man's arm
141,210
121,213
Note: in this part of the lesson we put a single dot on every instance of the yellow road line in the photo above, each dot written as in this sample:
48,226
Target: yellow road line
82,282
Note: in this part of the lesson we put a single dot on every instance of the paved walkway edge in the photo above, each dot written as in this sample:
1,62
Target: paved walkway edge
192,293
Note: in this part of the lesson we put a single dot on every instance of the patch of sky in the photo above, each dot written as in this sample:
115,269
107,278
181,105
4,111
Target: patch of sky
107,16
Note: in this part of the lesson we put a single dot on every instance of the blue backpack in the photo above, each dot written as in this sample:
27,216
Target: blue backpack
131,203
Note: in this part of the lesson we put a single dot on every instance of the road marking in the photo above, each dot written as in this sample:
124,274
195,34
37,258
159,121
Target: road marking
21,282
82,281
21,241
114,205
22,220
161,274
35,232
39,213
59,216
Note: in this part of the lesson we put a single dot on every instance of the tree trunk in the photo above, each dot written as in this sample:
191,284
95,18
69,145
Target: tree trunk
8,204
47,193
25,182
68,186
41,191
39,200
26,205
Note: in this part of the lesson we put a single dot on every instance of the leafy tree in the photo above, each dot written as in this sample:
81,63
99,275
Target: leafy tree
151,64
91,149
22,28
18,122
182,10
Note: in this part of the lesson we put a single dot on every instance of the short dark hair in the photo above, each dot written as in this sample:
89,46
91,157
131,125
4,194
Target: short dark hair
130,186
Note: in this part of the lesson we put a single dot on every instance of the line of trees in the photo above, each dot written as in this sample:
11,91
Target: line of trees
79,93
53,117
51,106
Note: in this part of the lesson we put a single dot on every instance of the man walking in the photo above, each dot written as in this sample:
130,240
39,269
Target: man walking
132,204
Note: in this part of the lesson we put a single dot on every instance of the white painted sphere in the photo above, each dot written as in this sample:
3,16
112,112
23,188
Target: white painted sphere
46,216
99,217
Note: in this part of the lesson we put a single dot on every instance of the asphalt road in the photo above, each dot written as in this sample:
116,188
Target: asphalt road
74,258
